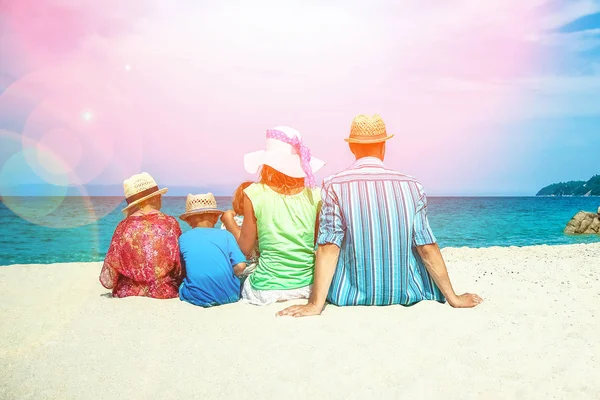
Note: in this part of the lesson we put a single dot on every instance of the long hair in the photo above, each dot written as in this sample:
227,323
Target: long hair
282,183
237,202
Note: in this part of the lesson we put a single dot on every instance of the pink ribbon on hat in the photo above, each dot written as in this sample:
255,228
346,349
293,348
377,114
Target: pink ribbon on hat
303,151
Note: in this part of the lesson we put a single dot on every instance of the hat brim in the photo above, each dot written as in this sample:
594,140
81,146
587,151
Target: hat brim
138,201
367,141
288,164
197,212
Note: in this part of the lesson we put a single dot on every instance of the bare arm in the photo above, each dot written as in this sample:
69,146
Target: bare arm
434,262
317,224
327,258
246,236
239,268
326,262
228,220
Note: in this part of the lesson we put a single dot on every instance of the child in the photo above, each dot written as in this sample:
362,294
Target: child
210,257
237,204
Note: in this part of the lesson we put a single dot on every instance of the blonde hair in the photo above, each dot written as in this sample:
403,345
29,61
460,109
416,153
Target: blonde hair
237,203
195,219
282,183
155,202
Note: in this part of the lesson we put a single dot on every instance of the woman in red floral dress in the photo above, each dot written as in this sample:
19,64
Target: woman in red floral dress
143,258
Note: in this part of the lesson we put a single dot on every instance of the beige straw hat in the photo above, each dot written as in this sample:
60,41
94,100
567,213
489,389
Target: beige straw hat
140,187
200,204
368,129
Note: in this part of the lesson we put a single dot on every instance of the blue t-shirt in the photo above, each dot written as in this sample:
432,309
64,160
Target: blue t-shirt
208,256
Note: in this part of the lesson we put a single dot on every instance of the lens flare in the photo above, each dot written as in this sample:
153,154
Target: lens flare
87,145
78,128
65,145
19,182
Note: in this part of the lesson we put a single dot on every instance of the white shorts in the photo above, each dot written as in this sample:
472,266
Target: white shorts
265,297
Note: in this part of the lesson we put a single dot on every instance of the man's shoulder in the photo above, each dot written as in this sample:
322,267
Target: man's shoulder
380,173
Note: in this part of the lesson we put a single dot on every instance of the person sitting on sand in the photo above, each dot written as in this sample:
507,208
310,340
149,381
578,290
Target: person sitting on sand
143,257
280,210
211,257
375,243
237,204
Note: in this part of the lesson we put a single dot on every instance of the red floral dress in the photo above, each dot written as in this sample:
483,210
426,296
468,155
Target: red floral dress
143,258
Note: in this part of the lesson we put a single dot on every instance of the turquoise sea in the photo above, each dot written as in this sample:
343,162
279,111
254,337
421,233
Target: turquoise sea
52,229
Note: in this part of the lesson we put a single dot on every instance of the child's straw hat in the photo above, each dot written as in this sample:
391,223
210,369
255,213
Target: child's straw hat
200,204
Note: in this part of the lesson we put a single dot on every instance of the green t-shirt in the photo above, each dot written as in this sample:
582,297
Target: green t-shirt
286,232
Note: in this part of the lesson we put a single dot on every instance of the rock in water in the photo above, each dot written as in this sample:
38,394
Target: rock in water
584,223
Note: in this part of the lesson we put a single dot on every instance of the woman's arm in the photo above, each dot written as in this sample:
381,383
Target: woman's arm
317,223
109,275
178,270
249,231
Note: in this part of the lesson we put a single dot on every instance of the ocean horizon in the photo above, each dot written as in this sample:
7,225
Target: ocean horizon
45,230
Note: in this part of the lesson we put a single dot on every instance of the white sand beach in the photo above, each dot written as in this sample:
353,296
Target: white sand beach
534,337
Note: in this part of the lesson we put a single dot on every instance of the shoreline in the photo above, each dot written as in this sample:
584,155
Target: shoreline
228,196
533,337
448,248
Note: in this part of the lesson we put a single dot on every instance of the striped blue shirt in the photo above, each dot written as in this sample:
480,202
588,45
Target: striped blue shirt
376,216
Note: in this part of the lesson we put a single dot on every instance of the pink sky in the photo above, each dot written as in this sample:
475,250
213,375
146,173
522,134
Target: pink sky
183,90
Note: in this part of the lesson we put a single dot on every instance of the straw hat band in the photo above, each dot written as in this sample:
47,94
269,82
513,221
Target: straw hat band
141,194
371,137
139,188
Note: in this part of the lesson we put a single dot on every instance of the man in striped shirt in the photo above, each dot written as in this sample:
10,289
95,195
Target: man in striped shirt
375,243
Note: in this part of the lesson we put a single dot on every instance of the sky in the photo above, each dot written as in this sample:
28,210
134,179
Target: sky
495,97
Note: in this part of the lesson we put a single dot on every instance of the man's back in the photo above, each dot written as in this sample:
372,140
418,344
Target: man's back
376,216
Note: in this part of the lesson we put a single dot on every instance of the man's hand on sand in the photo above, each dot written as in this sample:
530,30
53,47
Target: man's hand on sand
466,300
305,310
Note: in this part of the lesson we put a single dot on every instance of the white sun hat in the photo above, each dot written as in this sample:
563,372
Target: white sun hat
285,153
200,204
140,187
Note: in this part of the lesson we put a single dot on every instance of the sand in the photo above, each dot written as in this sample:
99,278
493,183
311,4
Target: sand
535,337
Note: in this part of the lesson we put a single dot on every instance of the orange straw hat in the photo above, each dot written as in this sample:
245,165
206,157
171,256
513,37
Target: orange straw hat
200,204
140,187
368,129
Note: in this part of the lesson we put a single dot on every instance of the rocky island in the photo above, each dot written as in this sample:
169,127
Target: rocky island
573,188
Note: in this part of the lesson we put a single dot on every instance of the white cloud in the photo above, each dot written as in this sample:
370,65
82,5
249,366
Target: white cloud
573,10
578,41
